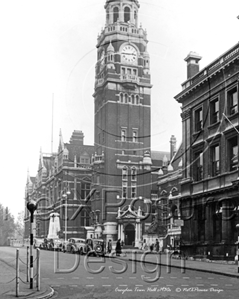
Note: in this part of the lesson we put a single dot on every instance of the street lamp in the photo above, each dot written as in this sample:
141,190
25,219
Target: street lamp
65,194
237,228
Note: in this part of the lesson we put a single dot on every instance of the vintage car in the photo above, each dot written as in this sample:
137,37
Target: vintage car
58,244
76,245
48,244
38,242
95,247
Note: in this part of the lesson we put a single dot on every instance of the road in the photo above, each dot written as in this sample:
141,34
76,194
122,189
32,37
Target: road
79,277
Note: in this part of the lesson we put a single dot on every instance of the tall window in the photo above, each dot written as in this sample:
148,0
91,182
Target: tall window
125,174
214,111
215,160
135,136
232,97
123,135
233,153
133,174
116,14
85,218
124,190
133,190
198,119
85,189
198,166
126,14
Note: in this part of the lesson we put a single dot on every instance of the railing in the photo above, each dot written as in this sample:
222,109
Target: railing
124,29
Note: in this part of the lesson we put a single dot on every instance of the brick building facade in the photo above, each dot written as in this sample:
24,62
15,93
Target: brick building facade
209,186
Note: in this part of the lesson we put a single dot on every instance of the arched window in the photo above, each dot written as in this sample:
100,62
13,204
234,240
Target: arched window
116,14
121,98
126,98
132,99
126,14
137,99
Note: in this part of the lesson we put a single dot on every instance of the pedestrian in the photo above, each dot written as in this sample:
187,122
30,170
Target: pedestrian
151,247
118,248
157,246
109,248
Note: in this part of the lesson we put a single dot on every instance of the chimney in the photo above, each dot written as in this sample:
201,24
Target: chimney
193,64
173,142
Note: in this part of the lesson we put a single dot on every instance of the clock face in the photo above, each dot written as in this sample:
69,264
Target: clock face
129,54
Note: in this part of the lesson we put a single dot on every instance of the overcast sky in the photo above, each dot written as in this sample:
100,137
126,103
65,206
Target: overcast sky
48,46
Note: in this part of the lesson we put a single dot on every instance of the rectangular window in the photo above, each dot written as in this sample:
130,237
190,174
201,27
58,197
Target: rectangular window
215,160
233,153
232,98
123,135
198,158
124,190
85,190
198,119
133,190
133,174
214,111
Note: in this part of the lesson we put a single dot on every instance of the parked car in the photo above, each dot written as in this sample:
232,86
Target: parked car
95,246
38,242
76,245
58,244
47,244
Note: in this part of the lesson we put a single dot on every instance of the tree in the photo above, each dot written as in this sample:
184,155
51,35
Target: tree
19,225
7,226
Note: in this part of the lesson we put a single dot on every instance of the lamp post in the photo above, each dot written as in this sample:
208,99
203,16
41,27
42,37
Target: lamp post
237,228
65,197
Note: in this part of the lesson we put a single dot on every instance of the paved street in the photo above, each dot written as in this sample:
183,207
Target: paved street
121,278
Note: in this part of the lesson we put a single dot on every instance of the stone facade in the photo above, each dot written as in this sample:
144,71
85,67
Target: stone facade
209,185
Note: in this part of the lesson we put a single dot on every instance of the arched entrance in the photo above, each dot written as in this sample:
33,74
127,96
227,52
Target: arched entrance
129,235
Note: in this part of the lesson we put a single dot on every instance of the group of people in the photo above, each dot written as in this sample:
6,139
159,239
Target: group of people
152,247
118,248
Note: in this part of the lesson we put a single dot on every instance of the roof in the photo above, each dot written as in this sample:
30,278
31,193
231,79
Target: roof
159,155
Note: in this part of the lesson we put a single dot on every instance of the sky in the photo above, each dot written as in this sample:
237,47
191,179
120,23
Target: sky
48,51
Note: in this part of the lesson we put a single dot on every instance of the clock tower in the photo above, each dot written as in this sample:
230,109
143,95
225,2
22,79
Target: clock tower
122,161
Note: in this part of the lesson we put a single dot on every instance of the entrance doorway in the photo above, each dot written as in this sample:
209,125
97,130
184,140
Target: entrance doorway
129,235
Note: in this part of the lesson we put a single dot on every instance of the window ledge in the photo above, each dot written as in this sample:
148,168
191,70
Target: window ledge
211,126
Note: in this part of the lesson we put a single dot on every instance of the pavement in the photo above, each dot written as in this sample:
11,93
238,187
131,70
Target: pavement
226,268
8,284
8,273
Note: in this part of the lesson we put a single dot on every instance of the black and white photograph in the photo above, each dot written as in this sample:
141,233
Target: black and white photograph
119,149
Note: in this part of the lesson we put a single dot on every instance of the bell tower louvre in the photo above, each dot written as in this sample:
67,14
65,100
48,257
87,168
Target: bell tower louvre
122,161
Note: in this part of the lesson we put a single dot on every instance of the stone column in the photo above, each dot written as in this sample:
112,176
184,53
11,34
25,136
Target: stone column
226,220
119,231
209,224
